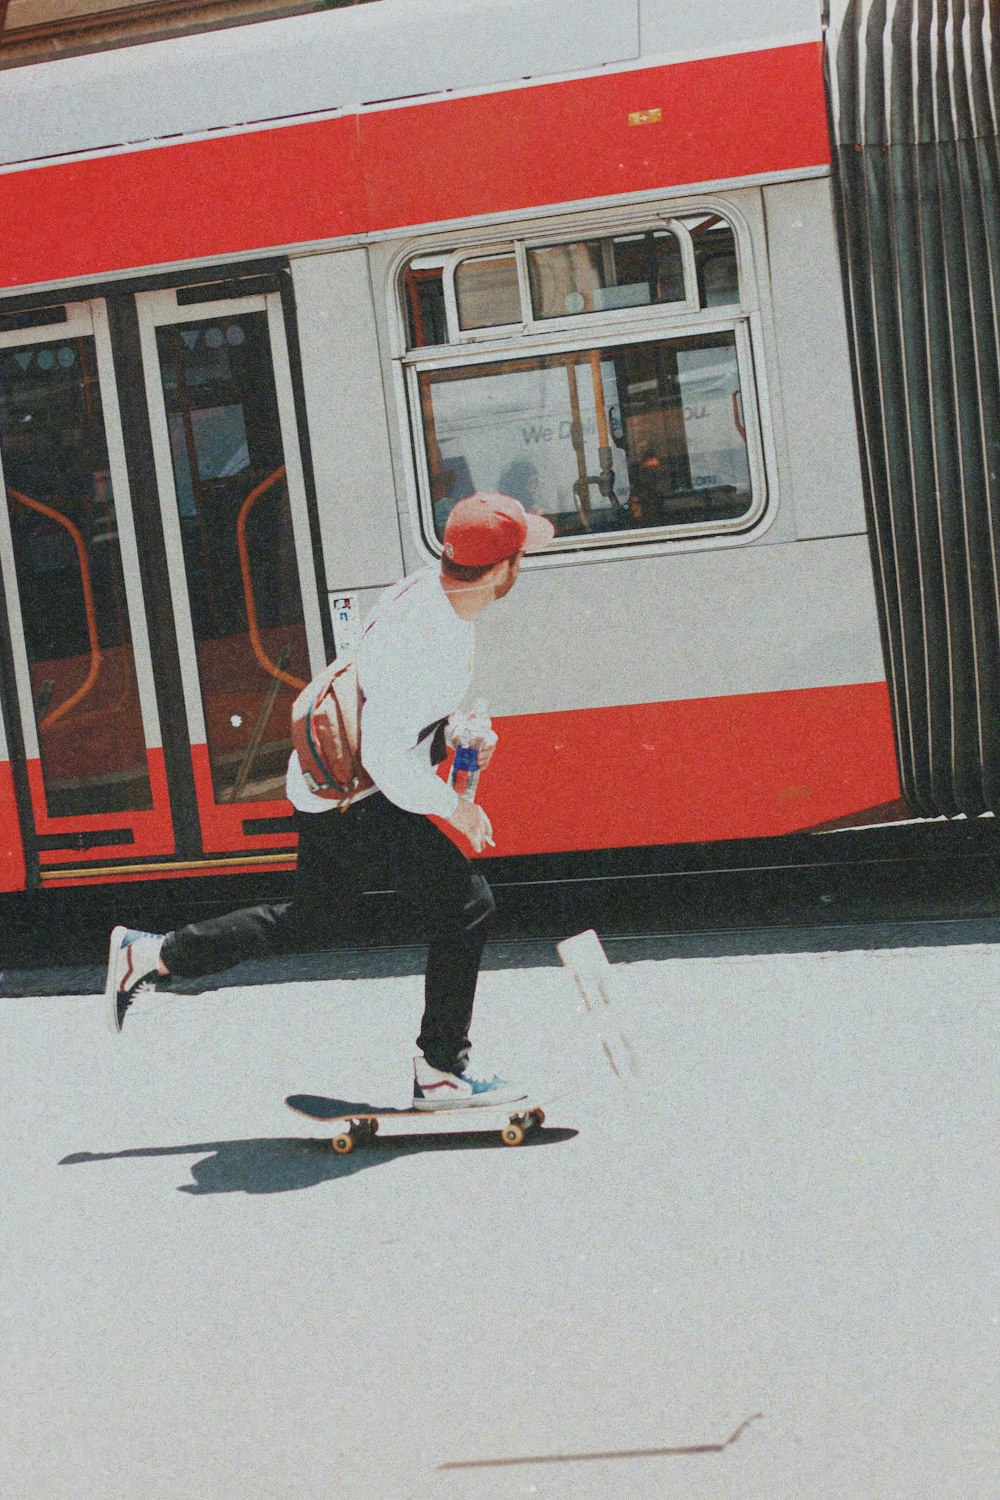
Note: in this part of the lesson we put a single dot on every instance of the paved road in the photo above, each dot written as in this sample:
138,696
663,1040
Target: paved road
794,1232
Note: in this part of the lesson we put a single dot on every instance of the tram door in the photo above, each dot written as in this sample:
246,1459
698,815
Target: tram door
239,554
78,644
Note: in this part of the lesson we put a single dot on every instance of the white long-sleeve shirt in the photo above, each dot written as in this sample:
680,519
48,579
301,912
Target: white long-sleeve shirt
415,662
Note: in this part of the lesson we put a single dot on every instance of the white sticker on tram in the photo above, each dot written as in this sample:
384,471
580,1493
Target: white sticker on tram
346,617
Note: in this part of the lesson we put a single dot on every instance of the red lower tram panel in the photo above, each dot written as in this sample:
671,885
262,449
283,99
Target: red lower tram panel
696,771
12,871
689,772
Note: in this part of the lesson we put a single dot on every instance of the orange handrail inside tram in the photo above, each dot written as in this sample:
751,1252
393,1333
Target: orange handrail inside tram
248,598
602,416
88,604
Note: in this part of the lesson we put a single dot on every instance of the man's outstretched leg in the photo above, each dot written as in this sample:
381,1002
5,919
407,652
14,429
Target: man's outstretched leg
143,962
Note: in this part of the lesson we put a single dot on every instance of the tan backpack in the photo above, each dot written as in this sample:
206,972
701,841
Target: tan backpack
326,734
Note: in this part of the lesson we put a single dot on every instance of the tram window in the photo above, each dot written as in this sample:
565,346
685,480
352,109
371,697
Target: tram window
641,435
643,431
426,319
70,580
715,261
238,544
487,294
602,275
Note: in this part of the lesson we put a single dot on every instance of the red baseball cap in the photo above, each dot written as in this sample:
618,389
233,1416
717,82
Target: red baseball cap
484,529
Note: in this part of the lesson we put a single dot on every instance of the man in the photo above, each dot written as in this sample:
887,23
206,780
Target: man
415,663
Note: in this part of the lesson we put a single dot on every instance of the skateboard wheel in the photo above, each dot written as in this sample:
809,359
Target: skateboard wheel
538,1115
373,1127
343,1143
512,1134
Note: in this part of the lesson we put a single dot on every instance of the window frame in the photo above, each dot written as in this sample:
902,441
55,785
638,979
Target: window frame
574,333
520,248
638,314
450,269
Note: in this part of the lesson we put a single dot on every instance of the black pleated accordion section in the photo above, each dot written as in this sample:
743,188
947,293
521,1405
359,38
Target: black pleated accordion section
913,88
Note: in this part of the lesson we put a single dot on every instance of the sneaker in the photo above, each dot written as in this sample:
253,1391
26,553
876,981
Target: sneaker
433,1089
132,960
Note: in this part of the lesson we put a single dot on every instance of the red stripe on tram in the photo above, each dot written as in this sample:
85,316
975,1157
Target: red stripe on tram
720,118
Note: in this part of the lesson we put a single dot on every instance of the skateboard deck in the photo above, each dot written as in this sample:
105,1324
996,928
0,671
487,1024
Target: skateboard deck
357,1124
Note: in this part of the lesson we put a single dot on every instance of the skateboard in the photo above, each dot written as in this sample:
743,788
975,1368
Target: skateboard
359,1123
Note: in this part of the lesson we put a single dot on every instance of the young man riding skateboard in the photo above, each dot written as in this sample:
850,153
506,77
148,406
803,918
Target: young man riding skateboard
415,662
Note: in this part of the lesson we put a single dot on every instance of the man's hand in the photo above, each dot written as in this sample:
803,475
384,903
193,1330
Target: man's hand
473,824
485,753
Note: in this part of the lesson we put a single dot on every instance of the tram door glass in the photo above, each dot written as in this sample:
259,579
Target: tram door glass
239,547
70,613
239,554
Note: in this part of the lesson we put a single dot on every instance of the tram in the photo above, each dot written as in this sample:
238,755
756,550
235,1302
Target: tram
714,288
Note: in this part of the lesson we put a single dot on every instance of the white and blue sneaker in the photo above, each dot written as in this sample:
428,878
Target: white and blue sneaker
433,1089
132,960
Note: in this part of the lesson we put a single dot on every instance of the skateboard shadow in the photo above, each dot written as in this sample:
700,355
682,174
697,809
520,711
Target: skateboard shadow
288,1164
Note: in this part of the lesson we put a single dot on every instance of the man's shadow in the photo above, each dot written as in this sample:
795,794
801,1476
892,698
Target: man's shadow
284,1164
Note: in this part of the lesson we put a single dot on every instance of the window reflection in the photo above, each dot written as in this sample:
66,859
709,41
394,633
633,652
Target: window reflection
715,261
487,292
601,275
642,435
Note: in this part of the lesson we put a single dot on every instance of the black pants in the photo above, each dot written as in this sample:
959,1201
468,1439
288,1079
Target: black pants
374,844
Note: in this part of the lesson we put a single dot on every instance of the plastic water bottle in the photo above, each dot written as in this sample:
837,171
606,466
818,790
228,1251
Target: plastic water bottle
470,733
464,775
